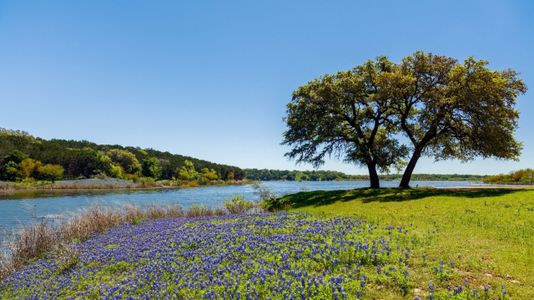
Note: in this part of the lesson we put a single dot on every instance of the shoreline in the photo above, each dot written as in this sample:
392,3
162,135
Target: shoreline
15,191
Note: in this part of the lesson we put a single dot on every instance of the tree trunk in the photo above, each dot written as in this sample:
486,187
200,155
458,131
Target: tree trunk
373,176
407,176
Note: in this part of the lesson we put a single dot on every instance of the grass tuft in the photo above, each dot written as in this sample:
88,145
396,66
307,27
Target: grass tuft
238,205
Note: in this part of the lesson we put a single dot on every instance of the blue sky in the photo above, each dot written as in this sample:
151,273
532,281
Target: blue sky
211,79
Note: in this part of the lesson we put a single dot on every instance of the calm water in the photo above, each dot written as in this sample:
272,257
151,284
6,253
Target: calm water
14,213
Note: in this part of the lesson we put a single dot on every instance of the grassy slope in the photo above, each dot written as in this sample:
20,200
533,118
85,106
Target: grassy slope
488,233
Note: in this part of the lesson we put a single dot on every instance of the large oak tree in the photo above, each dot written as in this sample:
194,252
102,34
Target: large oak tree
446,109
346,116
449,109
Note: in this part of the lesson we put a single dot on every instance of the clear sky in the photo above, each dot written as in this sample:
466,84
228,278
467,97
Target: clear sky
211,79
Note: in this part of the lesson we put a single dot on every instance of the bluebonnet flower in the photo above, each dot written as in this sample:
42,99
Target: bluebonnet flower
266,256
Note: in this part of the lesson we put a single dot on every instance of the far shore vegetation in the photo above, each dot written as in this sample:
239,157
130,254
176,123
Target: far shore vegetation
33,162
320,175
520,177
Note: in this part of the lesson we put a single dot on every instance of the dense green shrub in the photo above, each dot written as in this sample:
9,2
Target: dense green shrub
151,168
126,160
187,172
10,171
28,167
208,175
50,172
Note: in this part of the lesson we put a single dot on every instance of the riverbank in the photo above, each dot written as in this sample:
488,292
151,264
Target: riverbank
81,186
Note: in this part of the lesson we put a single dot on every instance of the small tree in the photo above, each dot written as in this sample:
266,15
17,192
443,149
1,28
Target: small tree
151,168
187,172
345,115
10,171
117,172
87,162
9,165
454,110
126,160
29,167
209,174
50,172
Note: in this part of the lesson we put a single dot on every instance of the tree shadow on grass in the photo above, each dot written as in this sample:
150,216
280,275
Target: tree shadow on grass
319,198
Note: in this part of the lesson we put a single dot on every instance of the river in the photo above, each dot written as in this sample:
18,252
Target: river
17,211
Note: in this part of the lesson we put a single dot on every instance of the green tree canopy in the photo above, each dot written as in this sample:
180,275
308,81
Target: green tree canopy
151,167
188,171
50,172
87,162
446,109
209,174
345,115
126,160
10,171
16,156
28,167
449,109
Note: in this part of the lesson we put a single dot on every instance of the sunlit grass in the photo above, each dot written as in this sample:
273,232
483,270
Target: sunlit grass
488,234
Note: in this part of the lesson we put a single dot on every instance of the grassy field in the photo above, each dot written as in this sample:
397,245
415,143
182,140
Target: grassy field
486,236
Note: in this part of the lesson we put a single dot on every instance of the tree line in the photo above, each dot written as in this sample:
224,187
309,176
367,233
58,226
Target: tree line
523,176
293,175
23,156
385,115
325,175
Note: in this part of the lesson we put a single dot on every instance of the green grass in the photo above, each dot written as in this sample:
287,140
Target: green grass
487,235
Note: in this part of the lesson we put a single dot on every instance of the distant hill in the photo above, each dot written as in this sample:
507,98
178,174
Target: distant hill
87,159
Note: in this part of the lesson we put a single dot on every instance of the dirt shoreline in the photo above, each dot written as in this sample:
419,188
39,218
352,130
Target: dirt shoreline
10,190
